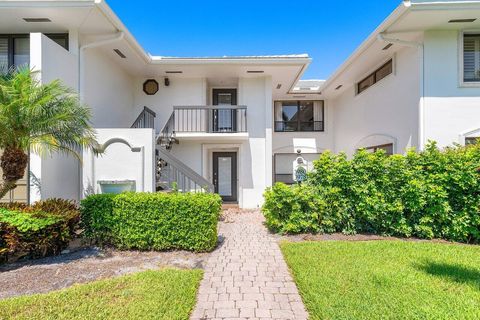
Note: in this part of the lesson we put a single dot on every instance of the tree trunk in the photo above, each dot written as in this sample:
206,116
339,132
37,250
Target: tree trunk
6,187
13,162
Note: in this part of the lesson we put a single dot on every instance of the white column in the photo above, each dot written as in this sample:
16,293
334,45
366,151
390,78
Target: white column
35,166
268,132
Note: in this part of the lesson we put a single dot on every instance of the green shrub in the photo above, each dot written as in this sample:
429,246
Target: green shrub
36,231
153,221
431,194
97,217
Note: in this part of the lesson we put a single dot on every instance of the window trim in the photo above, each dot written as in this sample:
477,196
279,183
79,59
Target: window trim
461,67
298,121
375,70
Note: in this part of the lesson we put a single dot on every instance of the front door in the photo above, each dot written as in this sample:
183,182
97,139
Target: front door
224,117
225,175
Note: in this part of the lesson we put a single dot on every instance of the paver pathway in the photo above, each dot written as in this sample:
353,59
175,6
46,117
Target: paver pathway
246,277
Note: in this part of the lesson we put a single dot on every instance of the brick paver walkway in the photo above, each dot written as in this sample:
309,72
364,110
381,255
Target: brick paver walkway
246,277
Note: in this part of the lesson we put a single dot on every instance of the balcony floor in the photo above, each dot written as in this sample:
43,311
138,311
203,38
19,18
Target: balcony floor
201,136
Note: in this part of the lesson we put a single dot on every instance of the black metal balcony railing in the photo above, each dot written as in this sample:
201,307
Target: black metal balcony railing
210,119
299,126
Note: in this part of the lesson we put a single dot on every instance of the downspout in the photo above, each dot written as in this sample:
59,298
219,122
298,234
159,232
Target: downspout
81,62
421,110
81,80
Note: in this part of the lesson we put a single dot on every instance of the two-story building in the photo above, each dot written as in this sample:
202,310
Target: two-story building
234,125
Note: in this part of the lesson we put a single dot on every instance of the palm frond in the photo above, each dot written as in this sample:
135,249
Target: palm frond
47,118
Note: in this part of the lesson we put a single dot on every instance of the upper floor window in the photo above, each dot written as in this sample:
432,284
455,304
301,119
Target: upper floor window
375,77
15,49
471,57
293,116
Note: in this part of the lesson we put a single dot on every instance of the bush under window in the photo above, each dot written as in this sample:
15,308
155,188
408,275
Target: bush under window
431,194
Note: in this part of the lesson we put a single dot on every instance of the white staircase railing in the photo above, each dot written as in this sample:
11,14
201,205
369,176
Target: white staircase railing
171,173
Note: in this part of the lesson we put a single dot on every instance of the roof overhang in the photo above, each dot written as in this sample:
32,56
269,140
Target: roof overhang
96,21
408,22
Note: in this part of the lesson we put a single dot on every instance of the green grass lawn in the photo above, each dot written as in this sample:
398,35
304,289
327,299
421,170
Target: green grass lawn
386,279
164,294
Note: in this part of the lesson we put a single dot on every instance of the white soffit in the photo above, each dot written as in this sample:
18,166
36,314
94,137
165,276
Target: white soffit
407,22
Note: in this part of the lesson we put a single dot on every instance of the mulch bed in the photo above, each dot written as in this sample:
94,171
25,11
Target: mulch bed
344,237
86,265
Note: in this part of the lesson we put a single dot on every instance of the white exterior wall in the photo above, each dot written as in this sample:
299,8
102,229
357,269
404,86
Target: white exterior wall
59,174
180,92
451,110
129,155
108,91
384,113
254,176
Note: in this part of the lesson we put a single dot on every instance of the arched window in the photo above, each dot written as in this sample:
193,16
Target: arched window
377,142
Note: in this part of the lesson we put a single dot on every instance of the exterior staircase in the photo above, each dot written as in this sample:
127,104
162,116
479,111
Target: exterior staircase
170,172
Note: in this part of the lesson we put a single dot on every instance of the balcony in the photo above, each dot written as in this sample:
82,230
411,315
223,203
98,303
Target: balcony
207,122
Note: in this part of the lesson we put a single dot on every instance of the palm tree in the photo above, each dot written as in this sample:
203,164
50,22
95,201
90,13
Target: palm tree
38,118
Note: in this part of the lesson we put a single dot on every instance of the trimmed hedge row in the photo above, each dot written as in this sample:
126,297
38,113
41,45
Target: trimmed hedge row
153,221
36,231
432,194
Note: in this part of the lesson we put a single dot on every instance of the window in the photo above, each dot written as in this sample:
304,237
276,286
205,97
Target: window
375,77
3,55
60,38
15,49
294,116
21,51
387,147
283,165
471,58
471,140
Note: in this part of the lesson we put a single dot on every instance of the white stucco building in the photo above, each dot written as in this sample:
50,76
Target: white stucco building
234,125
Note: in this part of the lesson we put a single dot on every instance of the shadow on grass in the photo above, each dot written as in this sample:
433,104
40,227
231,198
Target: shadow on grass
452,272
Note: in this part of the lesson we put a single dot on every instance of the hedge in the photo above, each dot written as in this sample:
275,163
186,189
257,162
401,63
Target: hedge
153,221
37,231
431,194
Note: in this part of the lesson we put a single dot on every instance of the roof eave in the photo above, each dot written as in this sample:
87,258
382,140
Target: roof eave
46,3
117,23
232,61
390,20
